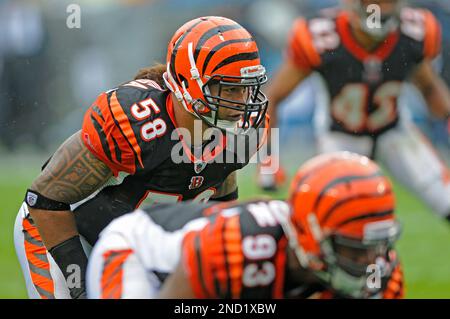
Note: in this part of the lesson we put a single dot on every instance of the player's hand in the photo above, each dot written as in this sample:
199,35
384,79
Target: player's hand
270,176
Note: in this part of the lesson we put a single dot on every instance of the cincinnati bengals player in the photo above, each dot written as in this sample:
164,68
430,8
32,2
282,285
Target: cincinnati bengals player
361,70
340,221
140,143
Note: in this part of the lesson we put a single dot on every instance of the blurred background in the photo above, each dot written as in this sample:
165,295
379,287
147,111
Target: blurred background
51,73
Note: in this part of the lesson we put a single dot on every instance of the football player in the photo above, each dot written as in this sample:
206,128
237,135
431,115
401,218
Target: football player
362,65
146,141
334,240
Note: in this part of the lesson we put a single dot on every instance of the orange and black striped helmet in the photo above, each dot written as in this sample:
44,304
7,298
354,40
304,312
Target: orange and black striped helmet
343,219
217,51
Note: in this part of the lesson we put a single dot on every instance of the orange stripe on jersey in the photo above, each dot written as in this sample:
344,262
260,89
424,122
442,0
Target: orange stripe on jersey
304,54
125,125
112,274
104,138
94,124
192,265
234,255
213,259
38,263
296,55
395,287
203,251
280,267
433,41
108,143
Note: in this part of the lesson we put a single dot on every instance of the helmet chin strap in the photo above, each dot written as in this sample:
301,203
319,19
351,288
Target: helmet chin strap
194,71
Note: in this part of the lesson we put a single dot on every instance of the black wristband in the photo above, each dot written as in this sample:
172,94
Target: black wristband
71,259
229,197
39,201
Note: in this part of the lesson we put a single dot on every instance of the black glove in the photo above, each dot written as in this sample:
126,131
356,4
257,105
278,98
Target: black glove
71,259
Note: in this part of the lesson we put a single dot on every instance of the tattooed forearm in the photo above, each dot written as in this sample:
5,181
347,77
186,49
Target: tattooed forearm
72,174
228,186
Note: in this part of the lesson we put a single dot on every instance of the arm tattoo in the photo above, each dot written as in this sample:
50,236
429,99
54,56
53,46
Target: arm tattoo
228,186
72,174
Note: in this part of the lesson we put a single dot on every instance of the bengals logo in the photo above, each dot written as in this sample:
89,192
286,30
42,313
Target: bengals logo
196,182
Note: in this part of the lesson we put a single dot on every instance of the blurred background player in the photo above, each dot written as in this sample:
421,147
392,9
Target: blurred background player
42,103
362,70
340,222
123,155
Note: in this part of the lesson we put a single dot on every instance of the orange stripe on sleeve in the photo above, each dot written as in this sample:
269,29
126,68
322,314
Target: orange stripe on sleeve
125,125
234,255
104,139
112,274
395,287
433,36
280,266
38,263
192,263
301,46
207,260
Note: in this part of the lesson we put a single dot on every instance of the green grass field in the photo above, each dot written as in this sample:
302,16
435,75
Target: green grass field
423,246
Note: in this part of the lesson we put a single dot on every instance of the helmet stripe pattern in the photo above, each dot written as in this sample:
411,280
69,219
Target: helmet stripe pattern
236,58
366,216
210,55
210,33
348,200
343,180
175,49
220,46
342,191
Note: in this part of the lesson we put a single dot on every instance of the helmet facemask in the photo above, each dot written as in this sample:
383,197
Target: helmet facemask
350,261
344,263
249,112
206,57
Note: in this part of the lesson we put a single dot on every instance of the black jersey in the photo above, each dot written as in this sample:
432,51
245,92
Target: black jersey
228,250
241,253
132,129
363,87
